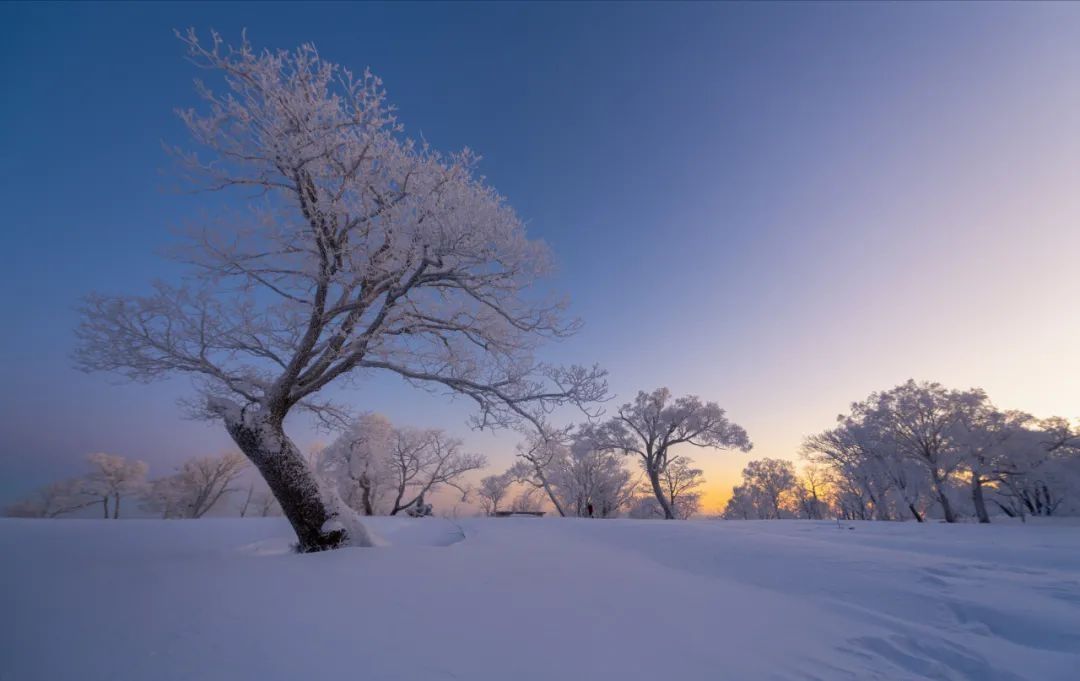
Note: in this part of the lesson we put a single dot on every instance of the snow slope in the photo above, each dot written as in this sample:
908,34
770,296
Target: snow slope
491,599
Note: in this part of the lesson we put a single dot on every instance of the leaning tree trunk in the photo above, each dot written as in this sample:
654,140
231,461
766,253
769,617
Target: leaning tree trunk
554,499
291,480
943,499
978,498
914,511
658,490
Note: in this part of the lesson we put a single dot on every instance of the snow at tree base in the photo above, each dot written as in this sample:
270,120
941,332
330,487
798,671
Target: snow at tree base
491,599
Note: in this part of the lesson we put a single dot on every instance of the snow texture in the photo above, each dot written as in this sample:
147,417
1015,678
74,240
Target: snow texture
555,598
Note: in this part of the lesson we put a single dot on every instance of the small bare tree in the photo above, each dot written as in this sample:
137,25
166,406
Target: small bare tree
358,251
492,490
538,457
653,423
113,477
529,500
197,487
422,461
55,499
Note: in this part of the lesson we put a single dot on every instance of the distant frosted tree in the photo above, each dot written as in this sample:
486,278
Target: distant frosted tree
55,499
492,490
774,481
921,419
769,490
579,478
742,505
539,457
653,423
812,493
423,461
113,477
356,250
681,483
378,468
982,432
901,451
528,500
357,463
1039,473
197,487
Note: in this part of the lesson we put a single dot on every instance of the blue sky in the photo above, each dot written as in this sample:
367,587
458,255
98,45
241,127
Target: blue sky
779,207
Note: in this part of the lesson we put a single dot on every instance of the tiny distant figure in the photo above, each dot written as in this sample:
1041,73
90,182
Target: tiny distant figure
589,508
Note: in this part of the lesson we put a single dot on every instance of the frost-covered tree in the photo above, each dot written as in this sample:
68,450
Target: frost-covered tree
774,481
769,490
1039,472
742,505
901,451
55,499
198,486
982,432
355,250
492,490
654,423
113,477
593,482
682,483
539,457
357,463
812,493
528,500
575,474
423,461
921,419
379,468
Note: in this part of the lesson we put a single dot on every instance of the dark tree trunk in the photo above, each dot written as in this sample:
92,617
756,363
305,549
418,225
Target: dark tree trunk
291,481
1005,509
943,498
658,490
980,501
105,506
365,497
116,506
247,500
915,512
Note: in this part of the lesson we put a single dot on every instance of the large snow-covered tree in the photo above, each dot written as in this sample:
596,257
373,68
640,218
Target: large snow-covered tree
354,250
654,423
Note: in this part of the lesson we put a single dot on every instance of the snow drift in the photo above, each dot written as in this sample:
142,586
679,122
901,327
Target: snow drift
490,599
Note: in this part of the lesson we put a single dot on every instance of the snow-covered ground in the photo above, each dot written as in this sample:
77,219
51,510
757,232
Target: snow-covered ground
495,599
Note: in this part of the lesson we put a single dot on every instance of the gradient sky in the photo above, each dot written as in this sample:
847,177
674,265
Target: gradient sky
779,207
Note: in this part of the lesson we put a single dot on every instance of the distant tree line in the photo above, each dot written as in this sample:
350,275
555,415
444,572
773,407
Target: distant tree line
197,486
918,451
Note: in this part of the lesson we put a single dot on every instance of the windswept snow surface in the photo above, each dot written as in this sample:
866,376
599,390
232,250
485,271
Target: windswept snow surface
556,599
